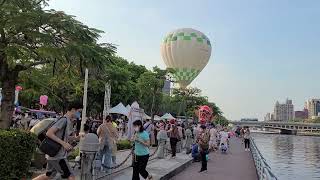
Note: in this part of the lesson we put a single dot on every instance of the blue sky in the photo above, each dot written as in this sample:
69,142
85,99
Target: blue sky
263,50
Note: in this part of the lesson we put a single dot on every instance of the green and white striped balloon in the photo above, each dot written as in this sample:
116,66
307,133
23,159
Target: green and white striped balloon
187,51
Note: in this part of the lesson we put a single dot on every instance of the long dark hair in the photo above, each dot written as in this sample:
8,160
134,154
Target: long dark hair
108,118
139,123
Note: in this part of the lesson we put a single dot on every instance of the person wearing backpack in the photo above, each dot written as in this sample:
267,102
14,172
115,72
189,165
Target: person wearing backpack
203,141
59,133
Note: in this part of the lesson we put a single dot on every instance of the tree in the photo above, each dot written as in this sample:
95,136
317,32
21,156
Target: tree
150,85
190,99
221,120
31,36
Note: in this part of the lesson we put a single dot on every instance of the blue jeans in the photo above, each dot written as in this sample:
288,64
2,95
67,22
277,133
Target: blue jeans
107,153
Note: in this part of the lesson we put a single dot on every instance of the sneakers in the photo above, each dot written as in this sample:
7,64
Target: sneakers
202,170
247,149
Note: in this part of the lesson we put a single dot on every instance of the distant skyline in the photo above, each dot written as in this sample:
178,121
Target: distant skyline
263,51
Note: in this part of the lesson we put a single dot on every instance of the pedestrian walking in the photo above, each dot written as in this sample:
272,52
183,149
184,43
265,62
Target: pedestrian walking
203,141
189,140
141,141
114,136
59,132
105,140
162,137
246,137
174,138
224,140
181,135
213,138
149,128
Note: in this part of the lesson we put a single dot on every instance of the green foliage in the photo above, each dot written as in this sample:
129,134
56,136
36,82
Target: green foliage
16,152
184,102
74,154
32,35
297,120
221,120
33,38
124,144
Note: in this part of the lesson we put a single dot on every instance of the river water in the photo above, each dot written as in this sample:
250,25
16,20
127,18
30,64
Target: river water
291,157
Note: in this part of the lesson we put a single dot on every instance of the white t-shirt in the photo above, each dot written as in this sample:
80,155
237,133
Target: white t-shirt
224,136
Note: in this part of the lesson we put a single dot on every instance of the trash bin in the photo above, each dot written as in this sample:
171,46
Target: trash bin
89,146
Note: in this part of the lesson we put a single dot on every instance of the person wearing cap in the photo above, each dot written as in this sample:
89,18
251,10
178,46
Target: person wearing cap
203,141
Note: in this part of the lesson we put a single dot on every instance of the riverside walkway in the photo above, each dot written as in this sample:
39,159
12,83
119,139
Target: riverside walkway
236,164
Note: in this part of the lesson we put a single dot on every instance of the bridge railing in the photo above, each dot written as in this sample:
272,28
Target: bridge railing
262,167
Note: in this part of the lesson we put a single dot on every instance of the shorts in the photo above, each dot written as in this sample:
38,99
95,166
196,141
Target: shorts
58,166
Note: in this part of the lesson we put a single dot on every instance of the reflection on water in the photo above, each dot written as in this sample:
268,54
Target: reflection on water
291,157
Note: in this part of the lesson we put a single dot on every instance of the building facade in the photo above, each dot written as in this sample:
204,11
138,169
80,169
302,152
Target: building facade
313,106
268,117
284,112
167,87
301,114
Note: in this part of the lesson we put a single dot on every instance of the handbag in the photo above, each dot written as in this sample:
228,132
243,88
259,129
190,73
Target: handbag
51,147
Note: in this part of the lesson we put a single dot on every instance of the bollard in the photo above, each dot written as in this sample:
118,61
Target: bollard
89,146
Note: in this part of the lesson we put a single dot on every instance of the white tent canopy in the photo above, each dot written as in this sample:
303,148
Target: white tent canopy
119,109
145,116
167,116
157,118
128,107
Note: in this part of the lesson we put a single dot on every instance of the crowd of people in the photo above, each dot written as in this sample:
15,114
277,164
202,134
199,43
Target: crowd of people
169,135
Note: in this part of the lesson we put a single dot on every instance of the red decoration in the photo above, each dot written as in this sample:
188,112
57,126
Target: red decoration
205,114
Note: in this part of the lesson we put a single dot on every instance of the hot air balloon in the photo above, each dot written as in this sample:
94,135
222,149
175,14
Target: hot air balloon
187,52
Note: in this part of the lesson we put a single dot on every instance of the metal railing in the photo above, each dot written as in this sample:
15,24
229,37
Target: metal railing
263,169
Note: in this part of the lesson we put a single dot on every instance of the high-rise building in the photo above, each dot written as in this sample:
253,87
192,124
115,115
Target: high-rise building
284,112
313,106
167,87
268,117
301,114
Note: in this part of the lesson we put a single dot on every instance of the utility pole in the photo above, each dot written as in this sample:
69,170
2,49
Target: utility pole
85,92
107,96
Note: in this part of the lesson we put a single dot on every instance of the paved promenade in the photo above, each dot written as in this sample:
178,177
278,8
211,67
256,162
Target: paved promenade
236,165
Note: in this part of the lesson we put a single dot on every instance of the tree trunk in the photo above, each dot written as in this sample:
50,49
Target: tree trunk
8,82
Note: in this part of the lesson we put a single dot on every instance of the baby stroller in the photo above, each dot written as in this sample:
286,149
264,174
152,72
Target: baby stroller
195,153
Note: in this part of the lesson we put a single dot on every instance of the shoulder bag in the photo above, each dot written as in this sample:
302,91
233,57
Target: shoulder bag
51,147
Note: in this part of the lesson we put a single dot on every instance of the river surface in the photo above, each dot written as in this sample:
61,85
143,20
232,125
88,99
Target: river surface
291,157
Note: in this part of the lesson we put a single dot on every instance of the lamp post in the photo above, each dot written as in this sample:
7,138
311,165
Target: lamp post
85,92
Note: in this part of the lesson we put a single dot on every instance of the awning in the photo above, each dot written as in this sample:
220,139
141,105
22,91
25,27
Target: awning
157,118
119,109
167,116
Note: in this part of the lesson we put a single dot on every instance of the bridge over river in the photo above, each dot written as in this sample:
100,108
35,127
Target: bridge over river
284,127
